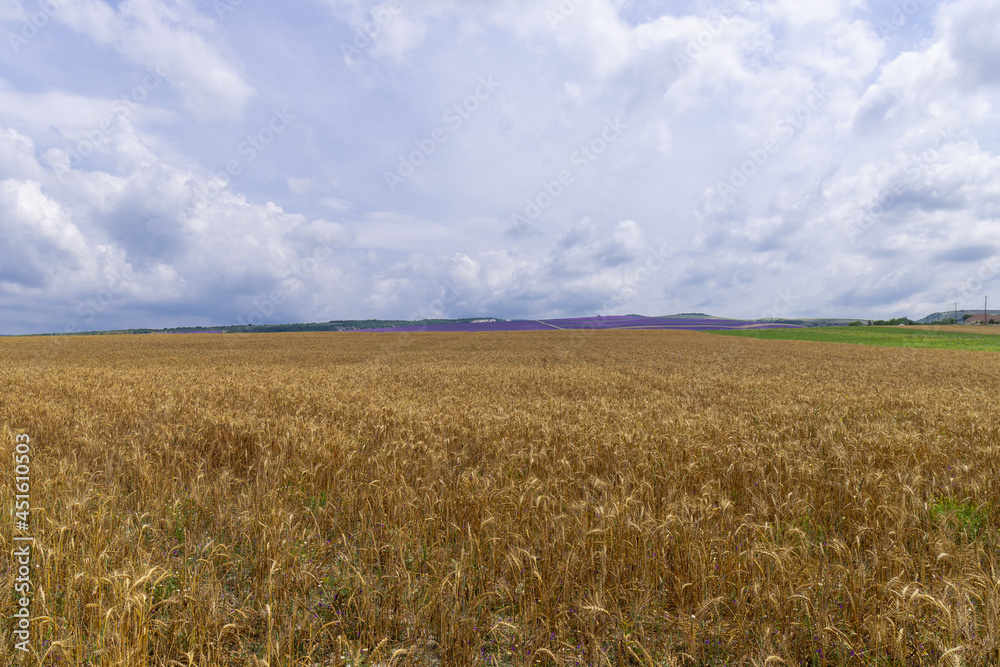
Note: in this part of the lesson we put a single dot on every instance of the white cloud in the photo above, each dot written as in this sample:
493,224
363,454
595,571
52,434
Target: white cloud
37,224
590,269
172,35
306,229
17,155
299,186
971,31
71,112
148,235
335,204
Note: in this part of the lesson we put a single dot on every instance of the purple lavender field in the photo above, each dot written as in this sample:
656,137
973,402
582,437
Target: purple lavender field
610,322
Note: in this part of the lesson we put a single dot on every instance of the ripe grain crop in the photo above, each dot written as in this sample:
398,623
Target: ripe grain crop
550,498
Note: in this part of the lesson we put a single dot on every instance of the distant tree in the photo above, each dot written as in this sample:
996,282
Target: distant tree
966,317
894,322
855,323
947,320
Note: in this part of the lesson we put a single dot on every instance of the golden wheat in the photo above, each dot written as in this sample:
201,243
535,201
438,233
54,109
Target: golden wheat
559,498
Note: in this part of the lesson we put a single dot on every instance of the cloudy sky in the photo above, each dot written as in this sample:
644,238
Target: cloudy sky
200,162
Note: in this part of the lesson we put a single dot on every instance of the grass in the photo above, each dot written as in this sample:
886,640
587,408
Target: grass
965,517
650,498
914,337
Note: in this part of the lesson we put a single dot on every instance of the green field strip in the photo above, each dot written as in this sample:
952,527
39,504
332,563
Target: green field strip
877,336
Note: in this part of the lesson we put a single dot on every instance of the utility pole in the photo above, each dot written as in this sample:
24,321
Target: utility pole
956,312
986,316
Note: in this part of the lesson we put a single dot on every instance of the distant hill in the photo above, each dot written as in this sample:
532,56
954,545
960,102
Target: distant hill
354,325
600,322
949,314
332,325
815,321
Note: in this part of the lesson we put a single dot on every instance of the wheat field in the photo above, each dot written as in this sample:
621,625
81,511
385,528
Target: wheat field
550,498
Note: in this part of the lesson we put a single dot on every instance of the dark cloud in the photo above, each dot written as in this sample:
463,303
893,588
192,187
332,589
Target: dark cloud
973,39
967,254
